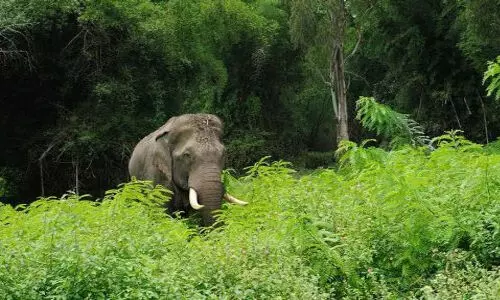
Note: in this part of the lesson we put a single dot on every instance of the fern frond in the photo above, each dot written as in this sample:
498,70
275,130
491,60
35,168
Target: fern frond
400,128
493,74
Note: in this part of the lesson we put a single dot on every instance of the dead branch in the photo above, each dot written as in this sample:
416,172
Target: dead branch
75,164
72,40
456,113
358,76
467,105
484,117
40,163
355,47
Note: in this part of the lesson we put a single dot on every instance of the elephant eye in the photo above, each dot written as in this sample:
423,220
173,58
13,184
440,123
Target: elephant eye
186,155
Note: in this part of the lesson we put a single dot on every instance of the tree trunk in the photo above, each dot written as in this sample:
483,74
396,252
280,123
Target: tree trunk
339,96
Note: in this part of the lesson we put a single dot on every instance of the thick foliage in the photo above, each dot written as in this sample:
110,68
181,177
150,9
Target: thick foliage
398,127
81,81
400,224
125,247
493,75
429,60
102,74
478,21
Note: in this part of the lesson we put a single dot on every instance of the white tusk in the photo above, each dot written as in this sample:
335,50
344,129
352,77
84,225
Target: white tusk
193,199
231,199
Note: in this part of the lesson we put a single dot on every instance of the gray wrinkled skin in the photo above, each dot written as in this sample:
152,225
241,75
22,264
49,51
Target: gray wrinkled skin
186,152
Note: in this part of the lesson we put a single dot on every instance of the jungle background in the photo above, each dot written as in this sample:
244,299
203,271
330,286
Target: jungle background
82,81
402,203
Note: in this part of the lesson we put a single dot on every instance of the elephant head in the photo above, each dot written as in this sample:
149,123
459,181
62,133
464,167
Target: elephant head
186,155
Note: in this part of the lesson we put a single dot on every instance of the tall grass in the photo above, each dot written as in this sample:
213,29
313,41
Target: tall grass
402,224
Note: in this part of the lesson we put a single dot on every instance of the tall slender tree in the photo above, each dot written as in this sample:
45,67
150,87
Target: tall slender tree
337,15
320,27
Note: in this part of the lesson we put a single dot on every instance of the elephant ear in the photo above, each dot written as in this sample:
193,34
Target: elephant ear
165,129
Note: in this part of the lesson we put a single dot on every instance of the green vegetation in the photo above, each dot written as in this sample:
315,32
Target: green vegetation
389,123
493,74
401,217
407,223
81,81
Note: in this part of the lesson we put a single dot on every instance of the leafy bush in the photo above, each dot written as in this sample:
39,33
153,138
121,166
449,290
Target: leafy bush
125,247
493,74
401,224
358,157
493,147
247,147
462,278
398,127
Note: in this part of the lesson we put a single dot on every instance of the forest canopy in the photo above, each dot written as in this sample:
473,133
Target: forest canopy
82,81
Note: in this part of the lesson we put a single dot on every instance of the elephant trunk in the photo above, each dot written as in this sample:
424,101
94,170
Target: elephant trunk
206,182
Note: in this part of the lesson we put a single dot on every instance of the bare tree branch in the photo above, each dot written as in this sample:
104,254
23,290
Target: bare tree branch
484,117
13,54
77,180
40,164
318,70
355,47
72,40
11,29
10,50
358,76
456,113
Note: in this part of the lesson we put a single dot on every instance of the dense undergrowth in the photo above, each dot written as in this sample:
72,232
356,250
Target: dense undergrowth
409,223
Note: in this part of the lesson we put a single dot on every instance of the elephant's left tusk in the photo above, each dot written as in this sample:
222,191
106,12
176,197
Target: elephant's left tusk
231,199
193,199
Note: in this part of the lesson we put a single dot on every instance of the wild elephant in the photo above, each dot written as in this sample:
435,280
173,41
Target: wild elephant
185,155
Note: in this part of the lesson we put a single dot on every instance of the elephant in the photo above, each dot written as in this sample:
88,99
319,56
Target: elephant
186,155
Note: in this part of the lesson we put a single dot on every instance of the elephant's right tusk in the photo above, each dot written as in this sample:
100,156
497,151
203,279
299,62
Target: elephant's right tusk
193,199
231,199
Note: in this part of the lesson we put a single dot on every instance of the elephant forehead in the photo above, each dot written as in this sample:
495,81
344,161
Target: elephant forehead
208,137
206,130
207,121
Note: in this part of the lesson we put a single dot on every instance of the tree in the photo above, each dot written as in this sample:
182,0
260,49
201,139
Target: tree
12,21
479,25
108,72
325,23
414,60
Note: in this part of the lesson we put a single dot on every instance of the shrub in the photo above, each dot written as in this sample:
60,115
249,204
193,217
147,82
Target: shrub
400,224
247,147
493,147
493,74
463,278
388,123
124,247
